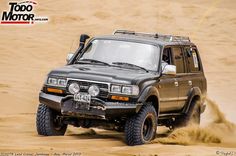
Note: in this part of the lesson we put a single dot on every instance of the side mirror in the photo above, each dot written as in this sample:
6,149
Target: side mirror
169,70
69,56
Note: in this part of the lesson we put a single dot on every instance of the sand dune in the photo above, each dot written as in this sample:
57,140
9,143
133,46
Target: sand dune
28,52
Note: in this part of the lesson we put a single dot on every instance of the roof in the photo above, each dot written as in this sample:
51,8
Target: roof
154,38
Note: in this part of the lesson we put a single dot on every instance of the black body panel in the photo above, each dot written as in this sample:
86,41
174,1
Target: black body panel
171,95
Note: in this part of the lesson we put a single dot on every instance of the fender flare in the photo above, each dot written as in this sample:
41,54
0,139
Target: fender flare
148,92
195,91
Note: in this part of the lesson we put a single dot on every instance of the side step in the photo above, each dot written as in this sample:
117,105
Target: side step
168,119
169,115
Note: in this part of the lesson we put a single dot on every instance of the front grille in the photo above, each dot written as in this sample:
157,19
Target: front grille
84,86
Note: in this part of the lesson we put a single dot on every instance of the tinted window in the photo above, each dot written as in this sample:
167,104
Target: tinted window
166,57
178,59
192,60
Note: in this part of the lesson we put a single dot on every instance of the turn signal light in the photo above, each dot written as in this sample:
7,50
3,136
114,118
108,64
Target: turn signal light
54,90
120,98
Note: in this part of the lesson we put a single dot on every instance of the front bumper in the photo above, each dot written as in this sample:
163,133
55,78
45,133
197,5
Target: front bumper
98,108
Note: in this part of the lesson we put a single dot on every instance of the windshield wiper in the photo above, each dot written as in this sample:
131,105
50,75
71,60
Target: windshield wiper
89,61
129,64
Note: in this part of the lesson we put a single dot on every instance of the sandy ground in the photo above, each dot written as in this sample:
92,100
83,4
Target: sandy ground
28,52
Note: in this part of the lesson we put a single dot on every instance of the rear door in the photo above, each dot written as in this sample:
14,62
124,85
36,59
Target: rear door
194,66
182,77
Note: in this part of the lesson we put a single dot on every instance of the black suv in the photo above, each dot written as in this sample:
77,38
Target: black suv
129,81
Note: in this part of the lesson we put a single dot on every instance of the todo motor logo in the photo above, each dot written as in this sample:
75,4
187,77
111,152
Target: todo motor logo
21,13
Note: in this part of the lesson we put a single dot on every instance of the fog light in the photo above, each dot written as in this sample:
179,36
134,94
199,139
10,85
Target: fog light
93,90
74,88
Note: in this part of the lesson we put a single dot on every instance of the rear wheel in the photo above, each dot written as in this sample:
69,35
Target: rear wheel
192,117
195,116
141,128
48,122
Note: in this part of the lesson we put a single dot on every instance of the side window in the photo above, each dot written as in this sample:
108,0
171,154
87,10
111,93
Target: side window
178,59
167,56
192,59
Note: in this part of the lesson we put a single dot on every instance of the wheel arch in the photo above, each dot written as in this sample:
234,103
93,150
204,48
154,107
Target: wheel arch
194,94
151,94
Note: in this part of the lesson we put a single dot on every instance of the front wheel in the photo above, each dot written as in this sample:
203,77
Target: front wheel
141,128
48,122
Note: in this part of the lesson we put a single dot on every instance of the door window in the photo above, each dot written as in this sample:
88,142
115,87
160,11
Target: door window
178,59
167,56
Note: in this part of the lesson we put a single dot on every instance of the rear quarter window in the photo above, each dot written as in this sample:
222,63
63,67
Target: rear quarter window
192,60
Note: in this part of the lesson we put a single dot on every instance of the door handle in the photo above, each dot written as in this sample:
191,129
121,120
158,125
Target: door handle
176,84
190,83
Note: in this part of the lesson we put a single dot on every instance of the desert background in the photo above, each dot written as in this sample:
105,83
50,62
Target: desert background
28,53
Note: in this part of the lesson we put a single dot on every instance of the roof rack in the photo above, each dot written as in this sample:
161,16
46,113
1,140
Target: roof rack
168,38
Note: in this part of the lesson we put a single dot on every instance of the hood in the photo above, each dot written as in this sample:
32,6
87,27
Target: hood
101,73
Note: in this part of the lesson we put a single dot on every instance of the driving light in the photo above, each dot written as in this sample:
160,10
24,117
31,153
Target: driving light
74,88
56,82
93,90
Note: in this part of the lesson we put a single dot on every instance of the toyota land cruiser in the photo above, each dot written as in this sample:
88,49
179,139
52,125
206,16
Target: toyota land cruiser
128,81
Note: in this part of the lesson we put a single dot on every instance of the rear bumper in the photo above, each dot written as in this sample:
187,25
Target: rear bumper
98,108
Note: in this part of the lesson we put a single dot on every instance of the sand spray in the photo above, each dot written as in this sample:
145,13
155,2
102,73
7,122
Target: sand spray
214,128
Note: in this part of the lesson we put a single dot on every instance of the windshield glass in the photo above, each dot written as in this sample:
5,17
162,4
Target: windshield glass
113,51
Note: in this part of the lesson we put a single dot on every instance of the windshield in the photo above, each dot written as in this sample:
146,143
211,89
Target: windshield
116,52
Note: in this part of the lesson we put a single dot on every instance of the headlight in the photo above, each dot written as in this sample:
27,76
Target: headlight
61,82
52,81
128,90
56,82
93,90
74,88
115,89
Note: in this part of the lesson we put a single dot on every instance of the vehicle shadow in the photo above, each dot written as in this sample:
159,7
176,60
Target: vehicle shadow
98,134
108,134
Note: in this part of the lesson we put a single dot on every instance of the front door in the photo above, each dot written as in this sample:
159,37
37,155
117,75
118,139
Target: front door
168,85
168,90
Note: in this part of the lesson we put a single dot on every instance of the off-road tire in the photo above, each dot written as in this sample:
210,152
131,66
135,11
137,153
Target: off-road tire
141,128
192,117
46,122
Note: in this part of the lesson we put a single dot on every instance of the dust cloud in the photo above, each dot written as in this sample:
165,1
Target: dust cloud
214,128
82,131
